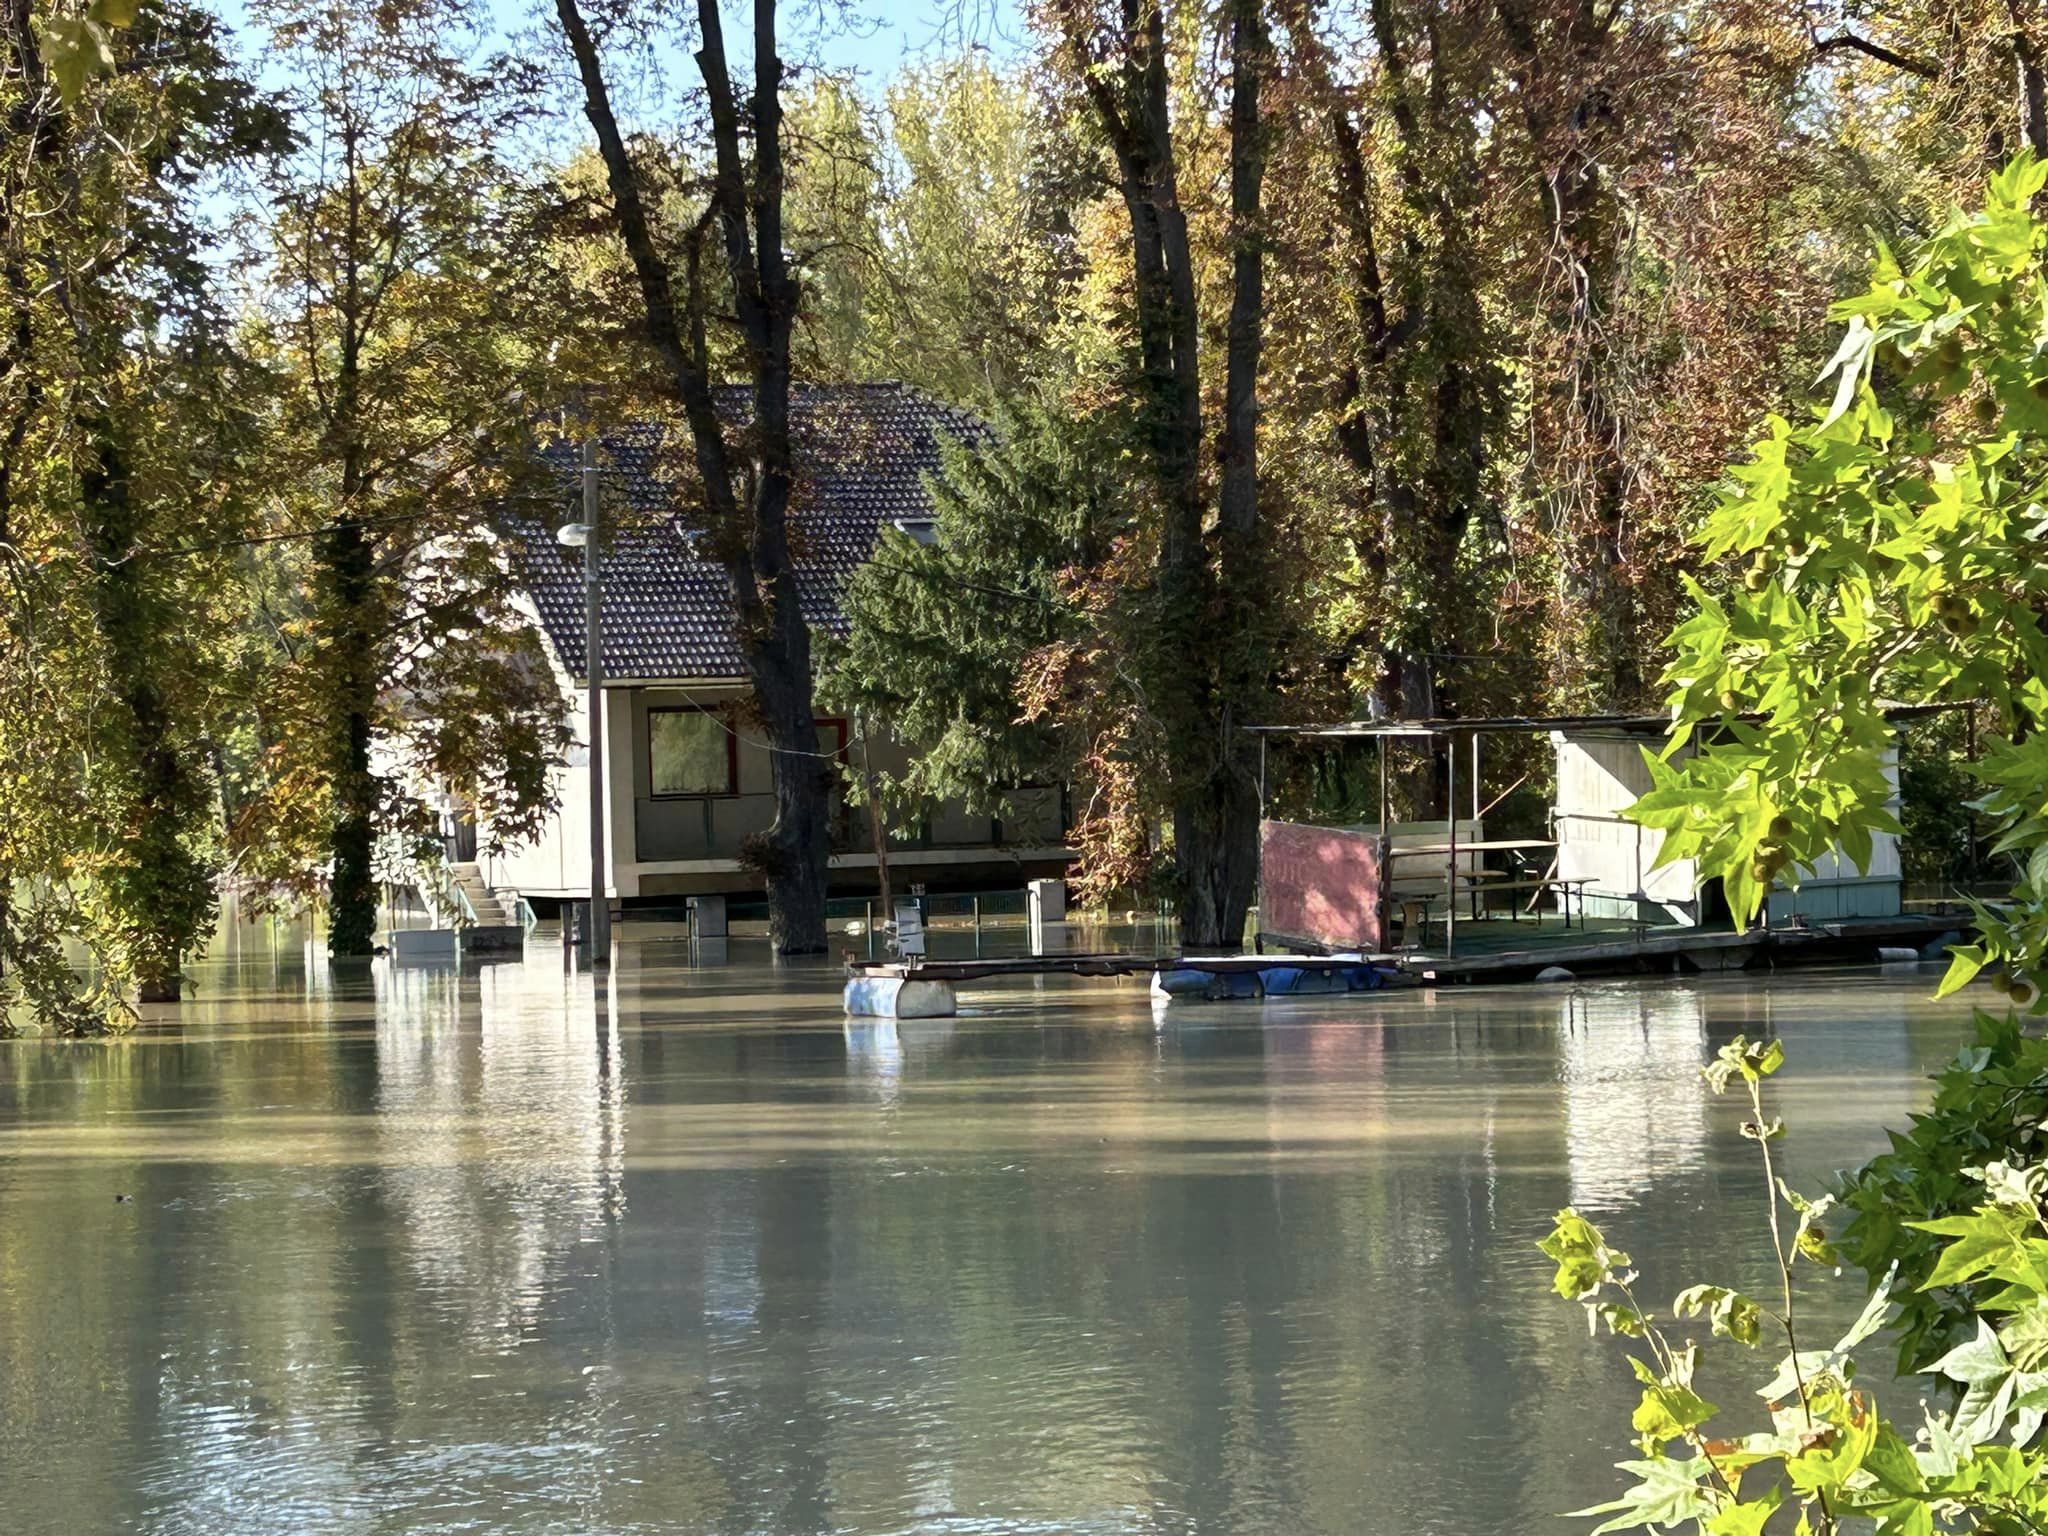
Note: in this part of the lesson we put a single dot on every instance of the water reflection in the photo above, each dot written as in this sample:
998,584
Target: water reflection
503,1248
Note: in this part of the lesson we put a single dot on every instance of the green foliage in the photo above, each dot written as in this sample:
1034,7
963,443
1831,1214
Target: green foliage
1891,544
1988,1107
123,433
1820,1445
942,637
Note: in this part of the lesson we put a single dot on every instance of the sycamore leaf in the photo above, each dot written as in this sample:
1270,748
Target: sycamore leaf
1987,1376
1850,363
1668,1493
114,13
1964,962
1746,1519
1729,1313
75,49
1667,1411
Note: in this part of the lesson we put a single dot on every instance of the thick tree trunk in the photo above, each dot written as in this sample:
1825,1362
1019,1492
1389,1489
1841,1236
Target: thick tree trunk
1206,665
749,530
348,574
1216,817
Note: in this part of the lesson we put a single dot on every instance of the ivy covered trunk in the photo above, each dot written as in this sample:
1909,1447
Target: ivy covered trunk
158,887
347,575
1562,65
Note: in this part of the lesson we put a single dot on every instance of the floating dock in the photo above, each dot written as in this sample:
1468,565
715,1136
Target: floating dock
1508,952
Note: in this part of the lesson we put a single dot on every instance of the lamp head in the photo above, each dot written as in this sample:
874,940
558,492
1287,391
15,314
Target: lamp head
574,535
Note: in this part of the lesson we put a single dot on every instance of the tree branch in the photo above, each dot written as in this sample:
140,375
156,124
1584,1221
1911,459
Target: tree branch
1850,42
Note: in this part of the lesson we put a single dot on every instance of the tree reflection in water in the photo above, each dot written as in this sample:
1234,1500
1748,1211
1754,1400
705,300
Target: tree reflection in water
422,1250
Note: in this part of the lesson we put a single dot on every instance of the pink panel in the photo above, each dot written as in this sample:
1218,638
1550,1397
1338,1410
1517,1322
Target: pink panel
1321,884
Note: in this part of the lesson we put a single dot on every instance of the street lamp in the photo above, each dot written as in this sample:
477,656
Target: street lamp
583,536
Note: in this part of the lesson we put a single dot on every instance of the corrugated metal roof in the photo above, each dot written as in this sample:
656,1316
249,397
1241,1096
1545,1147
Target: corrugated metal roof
862,454
1508,725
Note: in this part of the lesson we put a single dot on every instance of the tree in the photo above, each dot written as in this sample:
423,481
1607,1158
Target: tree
978,232
119,498
1891,549
397,282
743,471
941,637
1414,392
1204,657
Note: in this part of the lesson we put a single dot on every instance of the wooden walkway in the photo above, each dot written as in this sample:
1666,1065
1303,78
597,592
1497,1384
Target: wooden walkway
1522,953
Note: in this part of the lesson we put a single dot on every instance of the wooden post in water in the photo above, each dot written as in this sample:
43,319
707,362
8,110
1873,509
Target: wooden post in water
1451,883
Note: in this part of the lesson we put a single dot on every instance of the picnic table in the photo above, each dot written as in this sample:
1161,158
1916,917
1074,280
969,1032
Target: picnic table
1477,883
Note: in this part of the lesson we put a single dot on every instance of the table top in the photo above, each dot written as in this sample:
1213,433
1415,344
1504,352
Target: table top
1496,845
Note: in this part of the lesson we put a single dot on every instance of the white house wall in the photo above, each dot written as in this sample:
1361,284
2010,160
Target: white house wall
657,846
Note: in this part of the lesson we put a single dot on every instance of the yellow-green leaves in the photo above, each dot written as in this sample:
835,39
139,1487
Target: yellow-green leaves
75,49
1751,1060
1669,1409
1890,547
1729,1313
1584,1261
79,48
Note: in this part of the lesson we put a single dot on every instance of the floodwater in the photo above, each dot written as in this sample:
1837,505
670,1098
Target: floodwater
413,1251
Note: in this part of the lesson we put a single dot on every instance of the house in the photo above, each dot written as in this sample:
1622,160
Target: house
687,772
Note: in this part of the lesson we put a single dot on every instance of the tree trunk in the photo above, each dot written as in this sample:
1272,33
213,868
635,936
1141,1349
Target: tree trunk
160,894
1216,818
1206,664
748,532
348,574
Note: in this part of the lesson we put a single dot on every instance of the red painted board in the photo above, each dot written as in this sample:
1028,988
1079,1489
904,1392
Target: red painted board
1319,883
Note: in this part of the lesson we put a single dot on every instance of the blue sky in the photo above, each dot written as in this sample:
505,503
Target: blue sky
873,37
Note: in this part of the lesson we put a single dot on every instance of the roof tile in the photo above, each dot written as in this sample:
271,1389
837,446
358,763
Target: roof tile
862,454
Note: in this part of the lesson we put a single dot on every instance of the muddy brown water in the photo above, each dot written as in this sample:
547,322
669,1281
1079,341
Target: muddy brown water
462,1251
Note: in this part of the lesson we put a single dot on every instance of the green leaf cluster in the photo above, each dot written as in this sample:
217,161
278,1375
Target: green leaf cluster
1887,554
1824,1459
1988,1108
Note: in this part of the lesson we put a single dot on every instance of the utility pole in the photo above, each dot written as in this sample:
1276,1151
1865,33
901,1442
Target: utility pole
584,535
877,829
593,651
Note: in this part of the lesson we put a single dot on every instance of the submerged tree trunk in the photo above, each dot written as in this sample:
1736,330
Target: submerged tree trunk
347,574
349,611
161,893
746,494
1207,663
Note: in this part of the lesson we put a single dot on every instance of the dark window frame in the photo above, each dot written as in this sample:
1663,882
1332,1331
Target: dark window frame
732,755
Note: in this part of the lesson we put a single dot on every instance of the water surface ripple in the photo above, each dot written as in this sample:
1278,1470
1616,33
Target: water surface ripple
438,1251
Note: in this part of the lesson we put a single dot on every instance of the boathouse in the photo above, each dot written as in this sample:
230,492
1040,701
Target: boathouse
1375,884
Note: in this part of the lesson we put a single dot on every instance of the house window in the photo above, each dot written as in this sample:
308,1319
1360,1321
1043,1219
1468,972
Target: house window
690,752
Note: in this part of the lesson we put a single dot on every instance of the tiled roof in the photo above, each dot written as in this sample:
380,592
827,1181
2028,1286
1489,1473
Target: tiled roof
862,452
